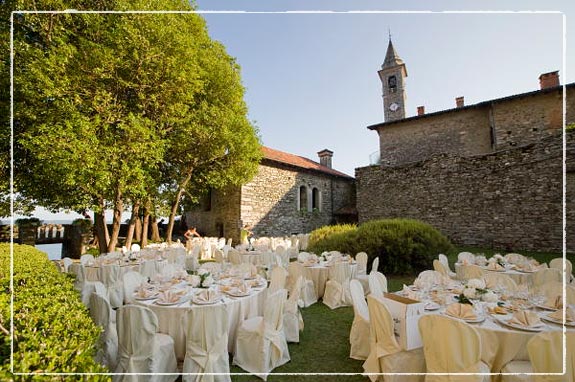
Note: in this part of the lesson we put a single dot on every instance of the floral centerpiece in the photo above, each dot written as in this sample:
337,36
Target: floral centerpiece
474,290
203,279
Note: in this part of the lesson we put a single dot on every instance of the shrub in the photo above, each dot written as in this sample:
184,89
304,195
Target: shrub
53,331
404,246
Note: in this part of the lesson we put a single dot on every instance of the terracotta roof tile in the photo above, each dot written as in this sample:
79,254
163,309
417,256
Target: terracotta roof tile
297,161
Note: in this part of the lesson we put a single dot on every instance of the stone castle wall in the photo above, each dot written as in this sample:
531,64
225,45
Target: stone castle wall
510,199
477,129
270,200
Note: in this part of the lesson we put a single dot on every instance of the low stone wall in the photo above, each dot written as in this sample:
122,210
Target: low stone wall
509,200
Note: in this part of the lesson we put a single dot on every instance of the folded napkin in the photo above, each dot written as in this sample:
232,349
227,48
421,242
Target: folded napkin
558,315
464,311
555,302
493,266
525,318
207,295
145,292
169,296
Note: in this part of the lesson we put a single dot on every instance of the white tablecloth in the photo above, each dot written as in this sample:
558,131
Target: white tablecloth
517,276
91,272
170,318
319,275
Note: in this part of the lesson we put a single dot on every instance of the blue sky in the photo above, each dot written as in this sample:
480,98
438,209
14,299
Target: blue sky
311,78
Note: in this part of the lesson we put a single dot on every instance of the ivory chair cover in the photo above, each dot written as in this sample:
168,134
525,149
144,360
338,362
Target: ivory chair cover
445,262
111,277
546,356
308,295
359,333
191,263
131,281
377,283
206,344
85,287
102,314
302,257
555,288
466,257
86,258
284,257
558,263
337,293
361,272
547,275
218,255
148,269
293,320
66,262
494,280
375,264
278,280
514,258
429,276
467,272
93,287
261,345
385,354
439,267
451,346
141,349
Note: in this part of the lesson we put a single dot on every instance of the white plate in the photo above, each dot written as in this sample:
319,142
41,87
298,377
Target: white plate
237,294
480,318
432,306
155,295
161,303
505,321
558,322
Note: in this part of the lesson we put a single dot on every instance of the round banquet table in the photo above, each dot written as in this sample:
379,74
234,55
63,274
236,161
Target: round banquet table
319,274
171,318
91,271
501,344
520,277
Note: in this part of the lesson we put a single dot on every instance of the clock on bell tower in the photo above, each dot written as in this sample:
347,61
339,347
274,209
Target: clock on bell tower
392,75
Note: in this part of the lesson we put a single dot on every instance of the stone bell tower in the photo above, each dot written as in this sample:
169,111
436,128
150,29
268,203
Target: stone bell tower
392,76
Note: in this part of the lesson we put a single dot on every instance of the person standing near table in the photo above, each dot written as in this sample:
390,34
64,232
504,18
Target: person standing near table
190,234
245,234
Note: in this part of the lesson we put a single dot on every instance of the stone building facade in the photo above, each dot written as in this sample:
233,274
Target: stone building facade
289,195
488,174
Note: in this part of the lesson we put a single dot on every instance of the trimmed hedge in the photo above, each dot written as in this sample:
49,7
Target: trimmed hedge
404,246
53,331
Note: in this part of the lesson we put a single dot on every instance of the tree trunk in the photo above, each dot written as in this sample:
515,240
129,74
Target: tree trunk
138,229
118,209
173,212
155,230
101,229
145,224
132,226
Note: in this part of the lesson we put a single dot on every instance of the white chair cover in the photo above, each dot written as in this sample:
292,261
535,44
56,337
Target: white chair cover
86,258
466,257
451,346
234,257
375,264
110,275
558,263
377,283
361,259
439,267
359,333
141,349
206,344
546,355
131,281
443,259
85,287
337,293
66,262
218,255
260,344
554,289
102,314
308,295
302,257
514,258
148,269
293,320
191,263
278,280
385,354
93,287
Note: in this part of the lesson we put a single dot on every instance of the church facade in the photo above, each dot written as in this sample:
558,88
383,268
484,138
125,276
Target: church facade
487,174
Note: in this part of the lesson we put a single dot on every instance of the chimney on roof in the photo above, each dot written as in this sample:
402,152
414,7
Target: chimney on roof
459,101
549,80
420,110
325,157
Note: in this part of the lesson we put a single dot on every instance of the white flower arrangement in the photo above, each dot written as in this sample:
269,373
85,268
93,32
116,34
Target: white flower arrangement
203,279
489,296
476,283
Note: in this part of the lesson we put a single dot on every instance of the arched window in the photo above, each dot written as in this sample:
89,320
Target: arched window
315,199
302,198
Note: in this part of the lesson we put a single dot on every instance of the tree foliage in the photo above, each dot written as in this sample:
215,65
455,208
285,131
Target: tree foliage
118,108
